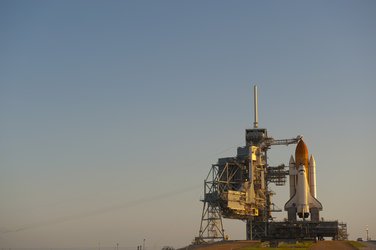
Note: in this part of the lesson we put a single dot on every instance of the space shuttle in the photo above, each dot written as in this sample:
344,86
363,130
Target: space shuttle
302,177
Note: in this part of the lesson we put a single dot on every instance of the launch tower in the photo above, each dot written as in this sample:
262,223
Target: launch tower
238,188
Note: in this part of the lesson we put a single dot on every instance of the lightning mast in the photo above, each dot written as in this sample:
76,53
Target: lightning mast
255,124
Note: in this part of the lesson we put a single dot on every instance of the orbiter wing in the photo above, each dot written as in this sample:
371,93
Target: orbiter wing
313,202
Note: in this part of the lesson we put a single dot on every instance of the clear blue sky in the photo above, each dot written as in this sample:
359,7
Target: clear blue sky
111,112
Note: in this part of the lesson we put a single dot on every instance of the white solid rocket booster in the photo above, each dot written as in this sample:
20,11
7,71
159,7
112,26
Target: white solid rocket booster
312,176
292,176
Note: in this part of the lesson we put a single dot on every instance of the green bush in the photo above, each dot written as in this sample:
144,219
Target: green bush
304,244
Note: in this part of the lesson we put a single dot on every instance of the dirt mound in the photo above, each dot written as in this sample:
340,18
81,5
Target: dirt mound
340,245
224,245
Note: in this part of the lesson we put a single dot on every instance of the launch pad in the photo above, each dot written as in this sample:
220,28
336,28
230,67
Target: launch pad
238,188
303,230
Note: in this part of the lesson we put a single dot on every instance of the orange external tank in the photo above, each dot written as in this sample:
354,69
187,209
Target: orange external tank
301,156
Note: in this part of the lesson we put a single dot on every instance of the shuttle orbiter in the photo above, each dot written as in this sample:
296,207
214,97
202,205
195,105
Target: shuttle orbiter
303,201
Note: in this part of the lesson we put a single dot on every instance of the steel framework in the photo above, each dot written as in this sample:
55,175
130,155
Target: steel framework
237,188
211,227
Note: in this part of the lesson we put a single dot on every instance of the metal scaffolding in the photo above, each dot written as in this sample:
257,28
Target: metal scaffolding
237,188
211,227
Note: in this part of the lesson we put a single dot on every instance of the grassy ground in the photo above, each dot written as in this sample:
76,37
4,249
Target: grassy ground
355,244
281,246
